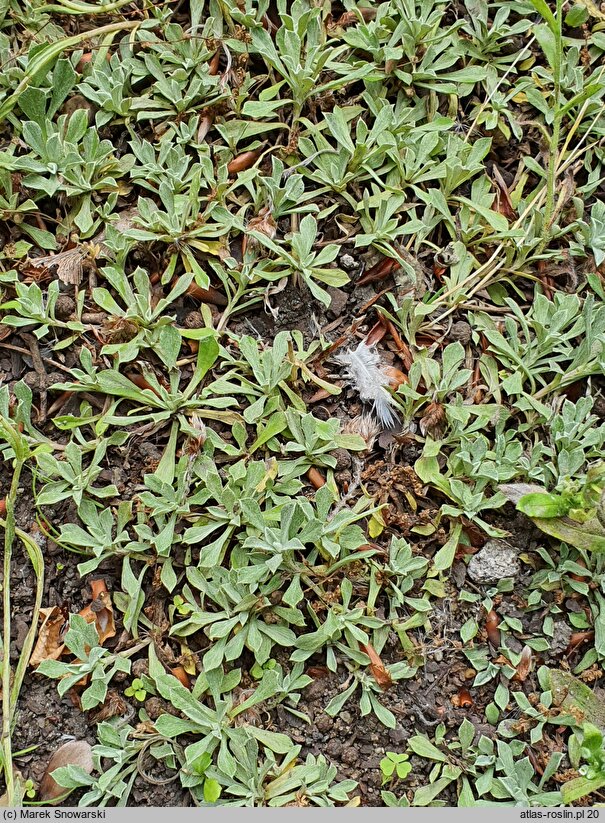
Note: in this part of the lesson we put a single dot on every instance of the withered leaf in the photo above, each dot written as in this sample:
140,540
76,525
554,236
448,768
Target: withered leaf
50,645
502,203
492,621
462,699
100,611
378,669
396,376
433,421
72,753
114,706
67,265
182,676
524,665
243,161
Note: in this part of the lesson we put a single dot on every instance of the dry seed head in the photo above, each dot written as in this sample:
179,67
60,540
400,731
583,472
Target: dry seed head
365,426
195,441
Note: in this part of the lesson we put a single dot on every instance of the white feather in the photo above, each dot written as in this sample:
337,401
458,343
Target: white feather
365,375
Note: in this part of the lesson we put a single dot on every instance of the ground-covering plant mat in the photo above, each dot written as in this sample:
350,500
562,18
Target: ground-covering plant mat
301,411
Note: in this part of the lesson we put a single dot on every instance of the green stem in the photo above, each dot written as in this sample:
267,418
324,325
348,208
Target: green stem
551,176
37,560
9,536
553,159
75,7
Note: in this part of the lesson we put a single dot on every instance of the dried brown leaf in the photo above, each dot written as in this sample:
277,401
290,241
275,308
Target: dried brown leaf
502,204
50,645
379,271
396,376
72,753
263,223
433,422
315,478
182,676
462,699
213,66
524,665
243,161
577,638
67,265
350,18
114,706
376,333
209,295
205,123
100,611
377,668
318,672
492,621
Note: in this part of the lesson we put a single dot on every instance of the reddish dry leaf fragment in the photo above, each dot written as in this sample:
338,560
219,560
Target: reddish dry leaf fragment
433,421
546,279
524,665
209,295
376,333
380,271
369,303
315,478
476,536
100,611
402,348
243,161
492,621
318,672
49,645
396,376
439,271
3,507
72,753
462,699
182,676
580,578
84,61
502,204
577,639
141,382
214,64
320,394
535,762
98,587
377,667
204,125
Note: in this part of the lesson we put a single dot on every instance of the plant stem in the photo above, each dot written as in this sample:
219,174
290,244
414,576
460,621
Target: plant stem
9,536
553,153
37,560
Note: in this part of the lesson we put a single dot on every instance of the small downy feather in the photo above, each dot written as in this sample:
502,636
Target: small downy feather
365,375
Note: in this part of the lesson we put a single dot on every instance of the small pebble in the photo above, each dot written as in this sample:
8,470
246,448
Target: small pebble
324,722
461,331
347,261
496,560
